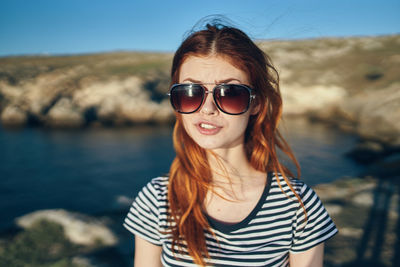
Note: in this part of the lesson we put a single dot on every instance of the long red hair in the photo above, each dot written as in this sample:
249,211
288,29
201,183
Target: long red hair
190,174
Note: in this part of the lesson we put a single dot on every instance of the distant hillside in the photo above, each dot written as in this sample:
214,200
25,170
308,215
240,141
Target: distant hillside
352,63
351,82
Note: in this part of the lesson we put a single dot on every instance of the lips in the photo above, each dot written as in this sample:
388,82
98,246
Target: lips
208,128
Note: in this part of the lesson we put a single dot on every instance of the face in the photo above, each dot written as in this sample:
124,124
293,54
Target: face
209,127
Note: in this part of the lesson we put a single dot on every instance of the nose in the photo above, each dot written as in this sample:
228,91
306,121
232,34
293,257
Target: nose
209,107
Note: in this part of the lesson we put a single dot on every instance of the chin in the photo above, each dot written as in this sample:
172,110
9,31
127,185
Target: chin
208,145
220,143
213,142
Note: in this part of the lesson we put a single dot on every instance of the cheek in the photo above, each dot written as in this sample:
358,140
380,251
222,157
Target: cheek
186,123
242,122
238,127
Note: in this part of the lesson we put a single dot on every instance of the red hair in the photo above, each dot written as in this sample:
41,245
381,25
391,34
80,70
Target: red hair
190,173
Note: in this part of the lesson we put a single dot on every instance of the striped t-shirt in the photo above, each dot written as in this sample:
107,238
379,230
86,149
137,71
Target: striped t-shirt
272,230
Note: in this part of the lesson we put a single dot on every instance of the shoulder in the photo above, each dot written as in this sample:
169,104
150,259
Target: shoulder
147,212
156,189
159,183
291,185
290,182
299,186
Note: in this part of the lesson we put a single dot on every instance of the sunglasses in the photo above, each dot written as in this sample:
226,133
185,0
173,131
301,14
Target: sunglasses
232,99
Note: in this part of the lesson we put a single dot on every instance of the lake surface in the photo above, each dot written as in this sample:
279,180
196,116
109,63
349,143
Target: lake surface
91,170
97,170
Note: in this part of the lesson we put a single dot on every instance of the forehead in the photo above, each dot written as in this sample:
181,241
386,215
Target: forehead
210,69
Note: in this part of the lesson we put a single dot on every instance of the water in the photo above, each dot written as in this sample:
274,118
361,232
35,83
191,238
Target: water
89,170
83,170
320,150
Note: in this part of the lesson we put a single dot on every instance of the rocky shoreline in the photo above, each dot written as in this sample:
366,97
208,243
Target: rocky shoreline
366,212
61,238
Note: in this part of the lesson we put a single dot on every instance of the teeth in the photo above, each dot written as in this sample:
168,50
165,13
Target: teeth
207,126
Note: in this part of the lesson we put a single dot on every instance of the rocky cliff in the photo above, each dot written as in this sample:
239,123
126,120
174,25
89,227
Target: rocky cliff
353,83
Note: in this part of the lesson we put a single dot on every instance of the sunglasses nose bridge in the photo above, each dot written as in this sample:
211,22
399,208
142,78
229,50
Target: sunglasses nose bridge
208,106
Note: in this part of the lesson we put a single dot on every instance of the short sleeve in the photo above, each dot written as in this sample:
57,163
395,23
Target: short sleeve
143,217
314,229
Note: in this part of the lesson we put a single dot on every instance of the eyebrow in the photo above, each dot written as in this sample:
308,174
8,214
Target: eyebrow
217,82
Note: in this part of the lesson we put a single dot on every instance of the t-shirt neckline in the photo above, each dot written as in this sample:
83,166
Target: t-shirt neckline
228,227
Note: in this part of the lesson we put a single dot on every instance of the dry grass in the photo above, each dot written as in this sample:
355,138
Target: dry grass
18,70
352,63
368,63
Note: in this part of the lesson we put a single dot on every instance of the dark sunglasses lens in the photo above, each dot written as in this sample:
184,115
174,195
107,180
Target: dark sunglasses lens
232,98
186,98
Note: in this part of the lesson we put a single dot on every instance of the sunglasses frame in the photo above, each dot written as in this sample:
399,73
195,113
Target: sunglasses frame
206,92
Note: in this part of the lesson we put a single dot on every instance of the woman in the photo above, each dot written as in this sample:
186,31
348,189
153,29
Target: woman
227,201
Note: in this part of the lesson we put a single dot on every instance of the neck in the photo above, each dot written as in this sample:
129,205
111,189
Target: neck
233,177
231,166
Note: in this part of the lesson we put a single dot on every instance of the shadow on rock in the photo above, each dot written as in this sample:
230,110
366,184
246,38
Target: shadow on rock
379,244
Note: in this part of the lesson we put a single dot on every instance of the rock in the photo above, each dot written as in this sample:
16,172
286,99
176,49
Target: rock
365,212
79,229
300,100
328,192
318,80
9,93
94,94
333,209
164,113
124,201
380,117
372,114
36,96
375,114
40,93
81,261
351,232
116,101
64,114
364,199
13,116
344,188
121,102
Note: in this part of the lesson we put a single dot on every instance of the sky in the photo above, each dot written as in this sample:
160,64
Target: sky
91,26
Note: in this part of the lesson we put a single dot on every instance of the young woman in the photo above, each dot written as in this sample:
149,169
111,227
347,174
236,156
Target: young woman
227,201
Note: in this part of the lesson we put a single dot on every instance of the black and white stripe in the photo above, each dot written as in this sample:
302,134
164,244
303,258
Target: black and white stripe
276,227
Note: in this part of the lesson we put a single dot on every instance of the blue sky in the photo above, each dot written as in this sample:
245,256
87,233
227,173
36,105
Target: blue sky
85,26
